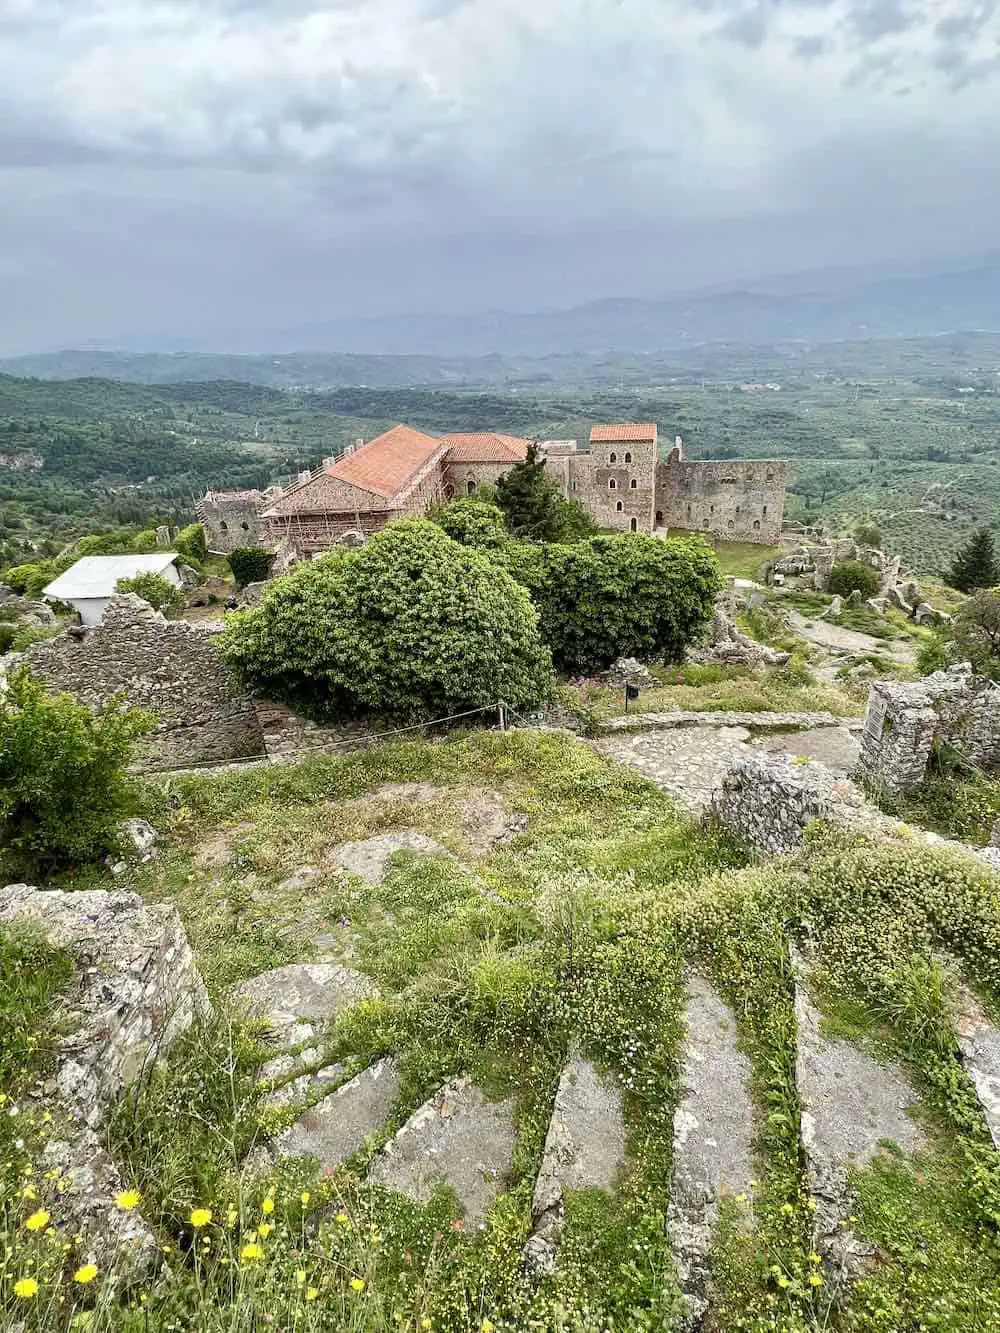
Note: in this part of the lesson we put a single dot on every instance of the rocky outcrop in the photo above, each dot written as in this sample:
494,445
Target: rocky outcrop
730,646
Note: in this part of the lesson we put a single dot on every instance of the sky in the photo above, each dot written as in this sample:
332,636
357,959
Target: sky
216,172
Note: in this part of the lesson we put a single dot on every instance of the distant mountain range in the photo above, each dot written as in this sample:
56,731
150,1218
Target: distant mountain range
497,347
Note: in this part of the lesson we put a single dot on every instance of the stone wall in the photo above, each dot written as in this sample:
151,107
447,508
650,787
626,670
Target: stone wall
905,720
231,519
737,501
615,483
458,477
169,668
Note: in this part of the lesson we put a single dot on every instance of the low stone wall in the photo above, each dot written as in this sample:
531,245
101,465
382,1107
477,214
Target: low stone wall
169,668
137,990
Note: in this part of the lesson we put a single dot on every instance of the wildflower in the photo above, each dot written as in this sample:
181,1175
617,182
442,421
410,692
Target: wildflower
787,1209
312,1293
231,1217
300,1277
426,1323
252,1252
200,1217
305,1196
815,1280
783,1282
37,1220
814,1258
488,1326
26,1288
85,1275
29,1192
264,1230
357,1284
267,1207
343,1219
128,1199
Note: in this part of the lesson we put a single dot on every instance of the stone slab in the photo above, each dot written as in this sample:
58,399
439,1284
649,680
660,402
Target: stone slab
457,1138
713,1136
338,1125
584,1149
759,721
687,765
836,747
979,1042
302,999
370,858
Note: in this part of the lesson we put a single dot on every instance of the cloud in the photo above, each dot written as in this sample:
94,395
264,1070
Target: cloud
377,140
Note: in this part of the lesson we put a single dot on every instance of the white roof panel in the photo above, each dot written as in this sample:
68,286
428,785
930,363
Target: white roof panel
98,575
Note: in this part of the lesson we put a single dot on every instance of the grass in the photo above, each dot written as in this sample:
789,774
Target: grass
739,560
491,962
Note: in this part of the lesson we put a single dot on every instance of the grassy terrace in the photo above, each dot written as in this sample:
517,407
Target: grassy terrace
491,964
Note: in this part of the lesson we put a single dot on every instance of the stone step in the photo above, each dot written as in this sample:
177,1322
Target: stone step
457,1138
979,1042
758,721
850,1104
298,1081
713,1137
303,1000
584,1149
336,1127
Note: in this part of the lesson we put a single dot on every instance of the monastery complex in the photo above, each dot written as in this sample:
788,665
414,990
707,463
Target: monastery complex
620,479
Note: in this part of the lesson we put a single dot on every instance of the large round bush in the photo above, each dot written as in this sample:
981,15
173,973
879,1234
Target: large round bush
621,596
473,522
852,576
412,626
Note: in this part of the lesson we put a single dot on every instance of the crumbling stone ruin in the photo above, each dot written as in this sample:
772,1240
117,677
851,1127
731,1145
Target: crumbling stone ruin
811,566
904,722
169,668
231,519
731,647
137,991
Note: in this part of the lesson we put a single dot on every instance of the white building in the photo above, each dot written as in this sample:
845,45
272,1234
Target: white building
91,583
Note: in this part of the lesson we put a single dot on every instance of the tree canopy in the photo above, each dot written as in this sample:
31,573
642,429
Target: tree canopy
975,565
535,508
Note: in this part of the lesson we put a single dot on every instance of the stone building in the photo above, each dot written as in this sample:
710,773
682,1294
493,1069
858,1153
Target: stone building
619,479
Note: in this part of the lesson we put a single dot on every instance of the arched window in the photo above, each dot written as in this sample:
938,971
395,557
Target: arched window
612,458
659,516
612,484
619,506
633,484
628,458
770,475
730,524
634,525
704,523
689,511
223,527
245,527
470,487
765,509
756,525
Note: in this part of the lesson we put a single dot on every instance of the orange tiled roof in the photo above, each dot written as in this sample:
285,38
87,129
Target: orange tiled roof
385,465
485,446
624,432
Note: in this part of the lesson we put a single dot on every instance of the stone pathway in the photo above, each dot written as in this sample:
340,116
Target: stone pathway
457,1138
301,1001
341,1123
584,1149
979,1042
836,747
713,1136
762,721
837,639
370,858
851,1104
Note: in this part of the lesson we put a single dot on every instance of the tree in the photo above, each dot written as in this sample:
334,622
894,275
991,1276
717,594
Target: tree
160,593
411,625
849,576
867,534
975,633
64,785
620,596
250,564
534,507
191,543
473,522
976,564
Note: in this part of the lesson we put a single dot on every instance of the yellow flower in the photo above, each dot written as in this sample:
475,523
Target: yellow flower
85,1275
252,1252
264,1230
426,1323
267,1207
128,1199
26,1288
37,1220
305,1196
787,1209
488,1326
300,1277
815,1280
231,1217
200,1217
357,1284
814,1258
312,1293
343,1219
29,1192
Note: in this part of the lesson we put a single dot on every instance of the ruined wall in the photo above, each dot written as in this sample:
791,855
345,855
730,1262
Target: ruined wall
169,668
231,520
905,720
737,501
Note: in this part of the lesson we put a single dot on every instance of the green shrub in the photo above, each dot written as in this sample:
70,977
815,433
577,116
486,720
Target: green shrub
412,626
8,633
191,543
867,534
160,593
852,576
535,508
473,522
63,781
934,654
620,596
250,564
975,632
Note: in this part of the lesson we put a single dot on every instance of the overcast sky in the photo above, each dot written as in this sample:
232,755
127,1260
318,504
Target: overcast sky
194,167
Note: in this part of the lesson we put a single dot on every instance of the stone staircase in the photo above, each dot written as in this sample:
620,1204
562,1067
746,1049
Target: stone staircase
850,1106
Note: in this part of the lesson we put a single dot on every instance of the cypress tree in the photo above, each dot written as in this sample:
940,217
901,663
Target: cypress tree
976,565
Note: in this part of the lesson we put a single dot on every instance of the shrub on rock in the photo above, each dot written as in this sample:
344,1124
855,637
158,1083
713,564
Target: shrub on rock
64,786
852,576
620,596
412,626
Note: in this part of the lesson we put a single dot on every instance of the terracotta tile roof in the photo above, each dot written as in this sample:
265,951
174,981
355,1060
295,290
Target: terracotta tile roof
485,447
385,465
624,432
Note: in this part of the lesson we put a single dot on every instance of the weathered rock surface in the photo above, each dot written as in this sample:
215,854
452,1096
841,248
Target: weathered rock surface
979,1042
339,1125
584,1149
457,1138
687,765
713,1137
370,858
759,721
851,1104
629,671
303,999
138,989
729,645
